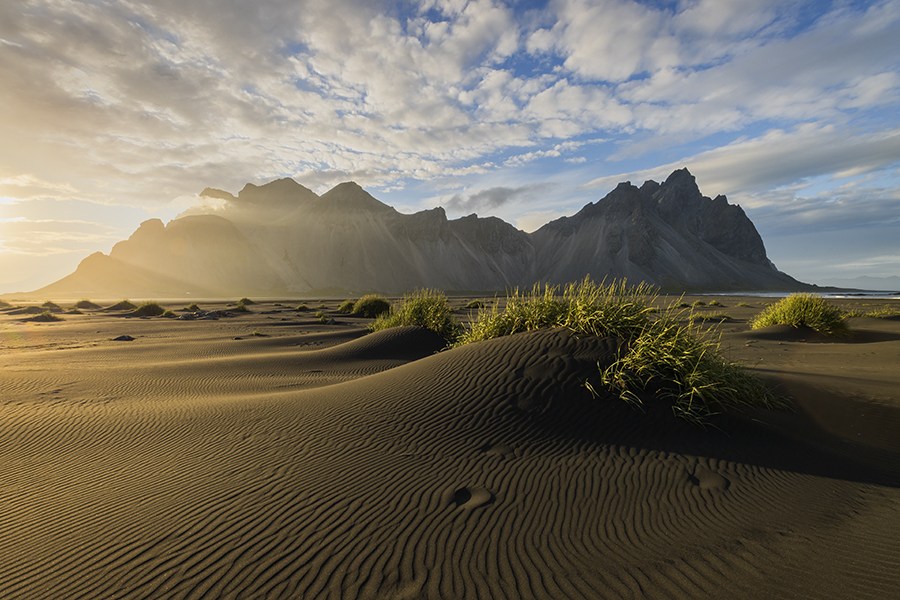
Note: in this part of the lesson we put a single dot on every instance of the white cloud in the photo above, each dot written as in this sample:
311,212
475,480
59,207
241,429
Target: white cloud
779,158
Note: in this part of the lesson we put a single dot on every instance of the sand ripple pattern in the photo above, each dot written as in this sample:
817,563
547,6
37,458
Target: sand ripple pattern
482,472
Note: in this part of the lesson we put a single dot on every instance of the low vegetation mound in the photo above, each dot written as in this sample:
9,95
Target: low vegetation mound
371,306
86,305
50,305
246,301
123,305
804,310
425,308
660,355
4,304
584,307
46,317
346,307
149,309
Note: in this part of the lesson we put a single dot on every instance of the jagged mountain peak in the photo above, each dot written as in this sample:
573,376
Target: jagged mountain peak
351,197
285,191
281,238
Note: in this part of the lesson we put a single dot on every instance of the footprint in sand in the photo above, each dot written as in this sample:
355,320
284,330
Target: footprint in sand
706,479
469,497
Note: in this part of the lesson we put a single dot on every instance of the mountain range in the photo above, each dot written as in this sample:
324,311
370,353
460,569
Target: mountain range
282,238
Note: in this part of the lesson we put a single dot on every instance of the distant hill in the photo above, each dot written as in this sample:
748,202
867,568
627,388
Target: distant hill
282,238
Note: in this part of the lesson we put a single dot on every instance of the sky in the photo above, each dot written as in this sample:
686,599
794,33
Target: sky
114,112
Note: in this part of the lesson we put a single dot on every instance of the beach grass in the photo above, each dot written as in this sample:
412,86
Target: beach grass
426,308
346,307
804,310
659,355
371,306
669,360
86,305
123,305
149,309
46,317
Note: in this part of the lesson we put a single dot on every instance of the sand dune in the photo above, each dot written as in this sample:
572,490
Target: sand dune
315,462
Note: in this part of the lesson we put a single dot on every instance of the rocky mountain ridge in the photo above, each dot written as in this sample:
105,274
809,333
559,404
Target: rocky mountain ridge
282,238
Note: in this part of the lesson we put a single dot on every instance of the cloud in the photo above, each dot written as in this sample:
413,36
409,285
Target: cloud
492,198
779,158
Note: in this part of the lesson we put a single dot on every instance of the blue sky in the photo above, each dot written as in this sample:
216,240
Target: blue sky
113,112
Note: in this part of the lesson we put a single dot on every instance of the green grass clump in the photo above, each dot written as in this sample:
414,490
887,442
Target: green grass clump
699,303
584,307
169,314
426,308
246,301
258,333
73,311
123,305
475,304
50,305
677,362
716,303
660,355
241,307
323,318
371,306
744,304
804,310
46,317
302,308
346,307
683,305
86,305
149,309
192,307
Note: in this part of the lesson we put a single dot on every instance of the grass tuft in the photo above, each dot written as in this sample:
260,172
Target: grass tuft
475,304
149,309
584,307
50,305
371,306
659,355
426,308
169,314
682,364
123,305
86,305
302,308
192,307
246,301
346,307
804,310
716,303
46,317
